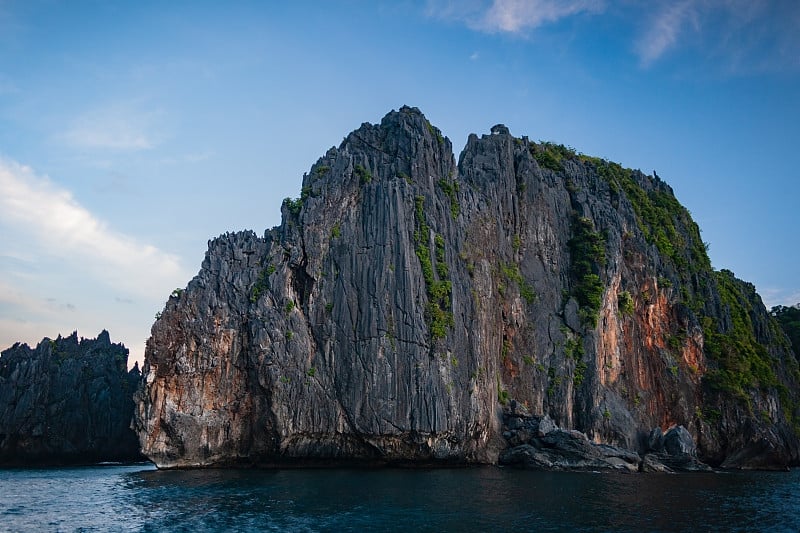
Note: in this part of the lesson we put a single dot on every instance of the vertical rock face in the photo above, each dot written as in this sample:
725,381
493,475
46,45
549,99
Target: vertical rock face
67,401
405,300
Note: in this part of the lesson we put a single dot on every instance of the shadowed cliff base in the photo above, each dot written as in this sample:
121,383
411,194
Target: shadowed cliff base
405,300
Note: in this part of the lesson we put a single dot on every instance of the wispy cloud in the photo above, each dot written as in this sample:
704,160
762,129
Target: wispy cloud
60,306
735,36
61,227
738,35
189,158
664,28
11,297
783,296
26,317
513,16
510,16
123,127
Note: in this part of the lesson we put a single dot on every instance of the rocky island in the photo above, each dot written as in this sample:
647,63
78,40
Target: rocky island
527,305
67,401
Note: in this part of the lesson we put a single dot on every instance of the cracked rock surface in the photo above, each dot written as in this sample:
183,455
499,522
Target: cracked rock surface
404,299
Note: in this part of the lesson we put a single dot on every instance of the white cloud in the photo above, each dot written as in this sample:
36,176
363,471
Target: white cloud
664,28
189,158
25,317
510,16
62,269
61,227
783,296
455,10
736,35
733,36
513,16
117,127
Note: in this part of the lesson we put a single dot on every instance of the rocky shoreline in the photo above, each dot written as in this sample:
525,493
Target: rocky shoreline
536,442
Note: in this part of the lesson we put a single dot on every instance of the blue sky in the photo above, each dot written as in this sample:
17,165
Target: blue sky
133,132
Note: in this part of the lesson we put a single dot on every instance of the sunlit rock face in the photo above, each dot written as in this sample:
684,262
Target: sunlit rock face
405,301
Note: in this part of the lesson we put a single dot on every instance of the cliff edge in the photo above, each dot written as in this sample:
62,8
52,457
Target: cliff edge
405,301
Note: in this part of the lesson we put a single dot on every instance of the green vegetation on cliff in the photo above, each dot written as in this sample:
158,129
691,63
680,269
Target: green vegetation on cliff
293,205
743,363
364,175
438,313
789,320
551,155
451,189
587,249
739,363
511,273
661,218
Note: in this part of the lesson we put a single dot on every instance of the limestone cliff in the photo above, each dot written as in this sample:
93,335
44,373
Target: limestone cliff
404,300
67,401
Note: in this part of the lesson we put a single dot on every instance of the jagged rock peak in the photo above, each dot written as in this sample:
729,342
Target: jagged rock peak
399,134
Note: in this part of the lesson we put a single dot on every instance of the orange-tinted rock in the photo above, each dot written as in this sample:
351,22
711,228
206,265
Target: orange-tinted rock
405,298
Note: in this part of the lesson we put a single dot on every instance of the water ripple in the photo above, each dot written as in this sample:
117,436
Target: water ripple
140,498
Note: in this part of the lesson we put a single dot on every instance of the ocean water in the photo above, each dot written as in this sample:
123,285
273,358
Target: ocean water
141,498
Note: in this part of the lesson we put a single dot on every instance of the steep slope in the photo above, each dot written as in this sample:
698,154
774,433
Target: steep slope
789,319
67,401
405,300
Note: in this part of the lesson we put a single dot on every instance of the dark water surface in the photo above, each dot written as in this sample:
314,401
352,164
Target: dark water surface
140,498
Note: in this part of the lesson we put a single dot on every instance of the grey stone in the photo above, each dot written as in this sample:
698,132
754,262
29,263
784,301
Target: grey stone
514,422
571,318
499,129
678,441
684,462
517,437
652,464
546,425
67,401
655,440
569,450
404,298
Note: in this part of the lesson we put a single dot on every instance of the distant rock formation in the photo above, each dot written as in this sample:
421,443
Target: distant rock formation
68,401
405,300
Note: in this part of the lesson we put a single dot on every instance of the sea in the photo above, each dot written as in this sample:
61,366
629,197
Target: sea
142,498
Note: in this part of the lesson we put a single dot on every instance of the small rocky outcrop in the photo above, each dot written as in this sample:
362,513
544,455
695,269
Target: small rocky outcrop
673,451
67,401
405,298
536,442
